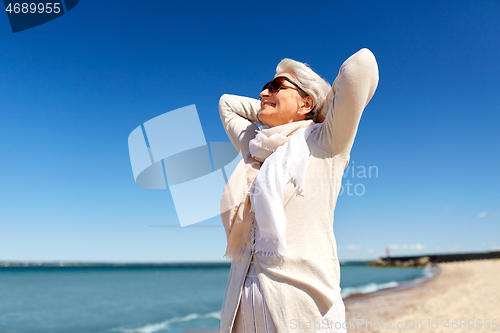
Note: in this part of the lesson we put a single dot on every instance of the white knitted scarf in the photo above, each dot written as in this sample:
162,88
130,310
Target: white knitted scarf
255,192
287,163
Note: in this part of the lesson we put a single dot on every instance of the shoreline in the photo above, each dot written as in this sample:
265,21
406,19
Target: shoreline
465,290
360,297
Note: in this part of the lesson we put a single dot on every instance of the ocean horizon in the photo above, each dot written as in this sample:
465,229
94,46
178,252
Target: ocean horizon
63,263
170,297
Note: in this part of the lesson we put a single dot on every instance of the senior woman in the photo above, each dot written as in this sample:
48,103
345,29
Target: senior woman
278,205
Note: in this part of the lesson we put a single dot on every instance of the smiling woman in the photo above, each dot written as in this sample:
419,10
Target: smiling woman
284,101
285,104
277,207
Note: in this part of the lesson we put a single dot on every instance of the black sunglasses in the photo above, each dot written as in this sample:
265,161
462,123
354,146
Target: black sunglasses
277,83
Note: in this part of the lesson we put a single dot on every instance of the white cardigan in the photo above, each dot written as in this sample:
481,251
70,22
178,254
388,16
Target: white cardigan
304,288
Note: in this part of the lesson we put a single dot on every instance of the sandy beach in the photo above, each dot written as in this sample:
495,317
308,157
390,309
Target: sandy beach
463,297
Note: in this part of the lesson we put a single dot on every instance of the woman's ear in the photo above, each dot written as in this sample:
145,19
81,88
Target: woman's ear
306,105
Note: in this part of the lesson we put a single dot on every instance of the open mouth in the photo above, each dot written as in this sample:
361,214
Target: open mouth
268,104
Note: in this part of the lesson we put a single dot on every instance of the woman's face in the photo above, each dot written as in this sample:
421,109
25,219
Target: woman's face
283,106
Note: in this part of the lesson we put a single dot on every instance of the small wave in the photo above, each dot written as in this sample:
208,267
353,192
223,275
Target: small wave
367,288
152,328
429,272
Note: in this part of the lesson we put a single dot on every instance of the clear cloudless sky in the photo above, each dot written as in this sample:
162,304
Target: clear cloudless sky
73,89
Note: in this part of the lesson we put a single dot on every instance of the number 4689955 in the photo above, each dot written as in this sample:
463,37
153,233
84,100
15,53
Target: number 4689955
471,324
32,8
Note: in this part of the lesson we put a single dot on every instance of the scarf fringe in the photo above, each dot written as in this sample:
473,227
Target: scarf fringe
250,237
299,187
281,259
276,255
270,254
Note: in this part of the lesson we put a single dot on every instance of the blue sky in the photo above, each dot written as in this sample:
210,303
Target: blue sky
73,89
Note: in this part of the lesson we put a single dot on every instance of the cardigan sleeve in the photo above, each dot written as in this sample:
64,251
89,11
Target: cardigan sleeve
238,115
350,93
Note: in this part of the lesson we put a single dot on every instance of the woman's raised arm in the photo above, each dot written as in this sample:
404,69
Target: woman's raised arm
238,115
351,91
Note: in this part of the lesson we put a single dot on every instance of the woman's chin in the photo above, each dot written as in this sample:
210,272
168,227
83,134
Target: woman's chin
265,118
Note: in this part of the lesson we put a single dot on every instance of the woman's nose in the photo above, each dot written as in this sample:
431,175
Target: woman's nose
264,93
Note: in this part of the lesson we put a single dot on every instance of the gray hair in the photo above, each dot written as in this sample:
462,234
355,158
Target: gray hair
313,84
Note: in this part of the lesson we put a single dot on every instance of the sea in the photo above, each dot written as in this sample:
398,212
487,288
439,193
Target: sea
145,299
